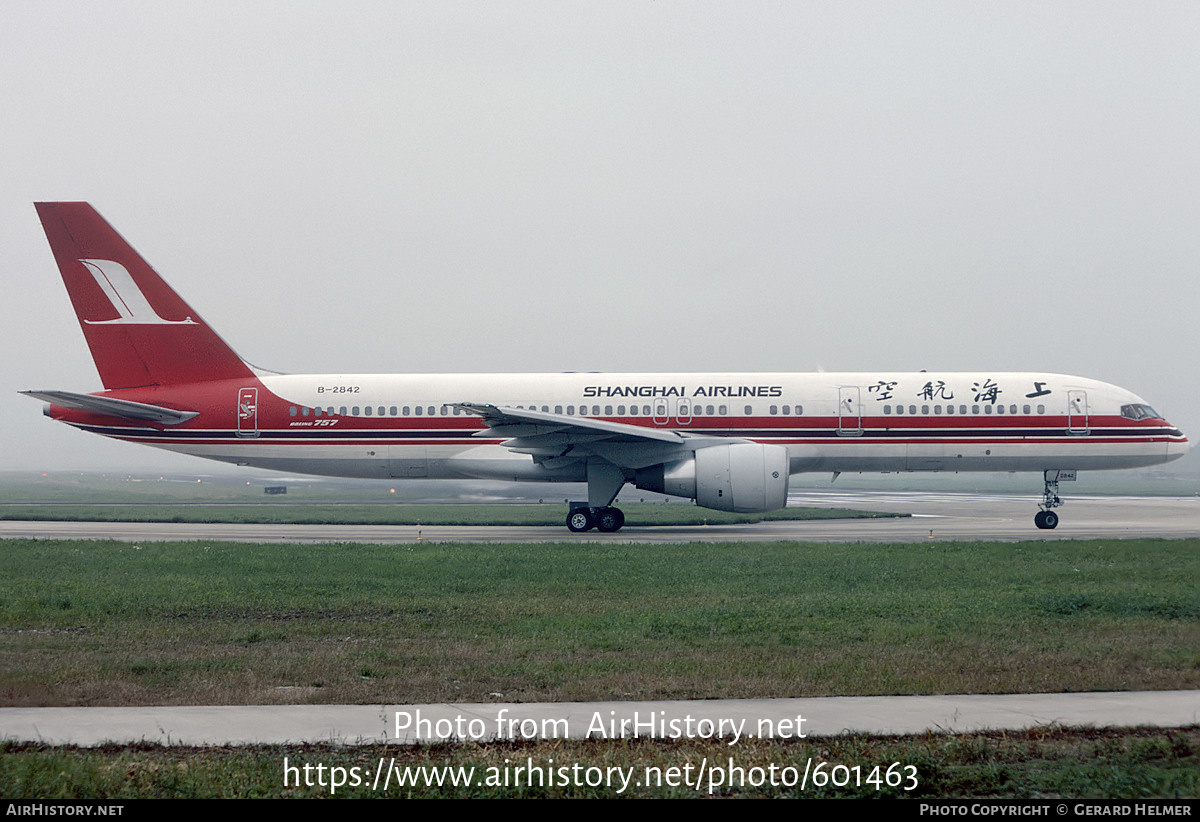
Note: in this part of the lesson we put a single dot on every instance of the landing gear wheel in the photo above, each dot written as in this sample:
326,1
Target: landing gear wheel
580,520
1045,519
610,519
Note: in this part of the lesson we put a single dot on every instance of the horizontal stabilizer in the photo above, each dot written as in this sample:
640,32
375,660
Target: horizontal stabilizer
113,407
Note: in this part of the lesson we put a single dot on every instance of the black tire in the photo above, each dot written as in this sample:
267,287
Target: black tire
610,520
1039,519
580,520
1049,519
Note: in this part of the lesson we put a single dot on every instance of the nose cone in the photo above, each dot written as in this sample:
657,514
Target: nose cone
1177,445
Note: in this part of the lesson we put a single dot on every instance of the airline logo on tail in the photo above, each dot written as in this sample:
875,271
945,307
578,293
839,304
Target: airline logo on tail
126,298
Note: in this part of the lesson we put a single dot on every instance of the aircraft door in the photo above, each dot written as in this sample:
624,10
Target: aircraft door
683,412
662,413
247,412
1077,412
849,411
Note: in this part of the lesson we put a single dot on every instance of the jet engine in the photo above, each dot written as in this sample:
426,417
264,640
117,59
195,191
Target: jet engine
743,477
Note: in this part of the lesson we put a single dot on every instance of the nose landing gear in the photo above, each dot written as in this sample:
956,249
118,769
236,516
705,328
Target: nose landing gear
1046,518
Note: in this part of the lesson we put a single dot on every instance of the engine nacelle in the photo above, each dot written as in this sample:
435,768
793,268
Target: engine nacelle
743,477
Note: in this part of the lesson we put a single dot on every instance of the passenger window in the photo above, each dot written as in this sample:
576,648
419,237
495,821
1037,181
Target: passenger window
292,411
620,410
368,410
887,409
774,409
723,410
749,411
924,409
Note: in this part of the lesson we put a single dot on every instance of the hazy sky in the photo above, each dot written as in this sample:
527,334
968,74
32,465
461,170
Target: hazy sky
557,186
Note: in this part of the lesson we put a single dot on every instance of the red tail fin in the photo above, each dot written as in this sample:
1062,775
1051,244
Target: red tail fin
140,331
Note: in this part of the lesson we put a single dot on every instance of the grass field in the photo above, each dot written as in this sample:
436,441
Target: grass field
108,623
1044,763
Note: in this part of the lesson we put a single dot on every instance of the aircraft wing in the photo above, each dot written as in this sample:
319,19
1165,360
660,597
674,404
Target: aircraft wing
555,440
125,409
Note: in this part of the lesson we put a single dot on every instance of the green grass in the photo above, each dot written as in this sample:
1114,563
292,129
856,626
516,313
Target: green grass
90,623
1044,763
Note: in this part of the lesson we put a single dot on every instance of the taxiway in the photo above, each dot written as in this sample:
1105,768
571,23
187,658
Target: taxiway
940,517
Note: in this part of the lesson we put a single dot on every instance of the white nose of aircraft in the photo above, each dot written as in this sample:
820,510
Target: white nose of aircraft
1176,448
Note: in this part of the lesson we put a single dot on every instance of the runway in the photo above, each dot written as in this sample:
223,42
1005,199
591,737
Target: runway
939,517
731,720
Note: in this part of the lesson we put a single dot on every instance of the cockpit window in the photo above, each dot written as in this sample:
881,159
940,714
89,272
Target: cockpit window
1138,411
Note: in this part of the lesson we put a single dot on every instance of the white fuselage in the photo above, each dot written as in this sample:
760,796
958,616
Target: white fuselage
374,425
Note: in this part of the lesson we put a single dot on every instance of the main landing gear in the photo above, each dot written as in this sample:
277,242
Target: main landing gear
1046,518
604,481
605,519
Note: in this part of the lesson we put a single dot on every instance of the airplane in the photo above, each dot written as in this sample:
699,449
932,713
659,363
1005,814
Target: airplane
728,441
